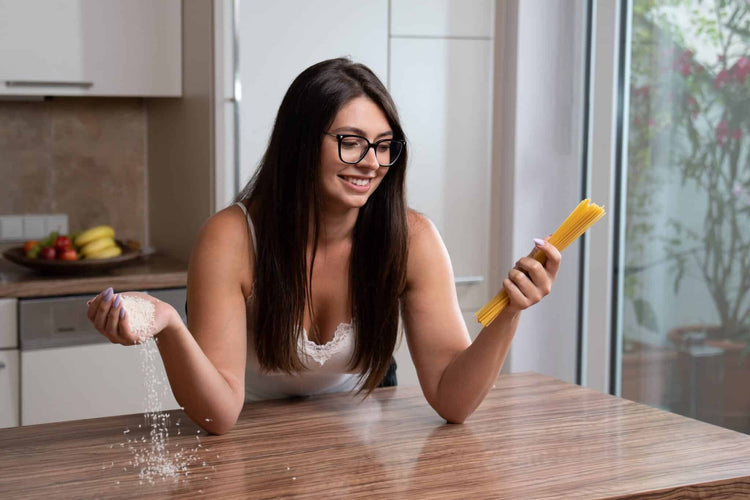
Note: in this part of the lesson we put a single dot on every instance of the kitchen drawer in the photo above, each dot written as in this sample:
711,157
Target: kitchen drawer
8,323
90,381
61,321
9,388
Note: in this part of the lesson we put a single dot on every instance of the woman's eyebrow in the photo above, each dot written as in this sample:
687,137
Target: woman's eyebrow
361,132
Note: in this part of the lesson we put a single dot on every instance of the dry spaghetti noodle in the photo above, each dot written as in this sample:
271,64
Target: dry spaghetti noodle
585,215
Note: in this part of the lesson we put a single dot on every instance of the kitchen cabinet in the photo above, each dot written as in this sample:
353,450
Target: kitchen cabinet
69,371
9,381
316,31
9,388
91,47
442,18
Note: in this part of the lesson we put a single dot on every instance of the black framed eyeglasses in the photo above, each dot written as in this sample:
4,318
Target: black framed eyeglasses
353,148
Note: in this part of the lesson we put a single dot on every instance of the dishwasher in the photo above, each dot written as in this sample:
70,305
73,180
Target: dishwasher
69,371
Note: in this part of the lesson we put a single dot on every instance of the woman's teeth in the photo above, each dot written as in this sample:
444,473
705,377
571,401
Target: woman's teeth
357,182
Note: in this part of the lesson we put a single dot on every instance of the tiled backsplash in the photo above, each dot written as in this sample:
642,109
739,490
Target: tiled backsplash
28,227
82,157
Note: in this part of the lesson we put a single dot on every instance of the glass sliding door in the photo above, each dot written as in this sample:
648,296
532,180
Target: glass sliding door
684,305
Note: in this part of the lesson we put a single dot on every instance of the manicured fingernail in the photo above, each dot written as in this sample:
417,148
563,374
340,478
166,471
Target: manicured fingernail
539,242
122,313
108,294
118,300
88,302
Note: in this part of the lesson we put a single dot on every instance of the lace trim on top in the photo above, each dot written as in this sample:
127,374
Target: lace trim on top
322,353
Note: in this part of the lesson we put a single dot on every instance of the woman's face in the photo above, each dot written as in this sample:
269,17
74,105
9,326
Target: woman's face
345,185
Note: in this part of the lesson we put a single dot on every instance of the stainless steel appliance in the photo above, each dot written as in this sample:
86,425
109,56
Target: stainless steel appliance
70,371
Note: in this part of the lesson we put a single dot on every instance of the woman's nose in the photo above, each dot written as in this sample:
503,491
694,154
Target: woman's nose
370,160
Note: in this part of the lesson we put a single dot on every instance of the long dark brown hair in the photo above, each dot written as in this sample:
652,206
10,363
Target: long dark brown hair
285,196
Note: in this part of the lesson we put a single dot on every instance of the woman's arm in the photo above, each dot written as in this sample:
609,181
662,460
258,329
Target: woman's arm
205,360
456,374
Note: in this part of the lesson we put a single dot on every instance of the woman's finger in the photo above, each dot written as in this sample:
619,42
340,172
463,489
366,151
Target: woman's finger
113,318
524,284
516,298
124,328
537,273
100,318
553,256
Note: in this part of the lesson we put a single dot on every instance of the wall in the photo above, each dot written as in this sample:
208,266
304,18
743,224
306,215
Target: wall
181,143
85,157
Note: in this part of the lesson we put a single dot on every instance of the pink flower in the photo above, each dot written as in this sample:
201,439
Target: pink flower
737,134
721,79
722,132
740,69
684,63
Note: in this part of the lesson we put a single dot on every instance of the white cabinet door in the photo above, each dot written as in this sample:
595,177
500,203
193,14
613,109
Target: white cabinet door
8,323
9,388
98,380
91,47
442,88
277,40
442,18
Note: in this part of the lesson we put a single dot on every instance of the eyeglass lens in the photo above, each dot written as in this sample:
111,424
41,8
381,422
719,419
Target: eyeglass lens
354,149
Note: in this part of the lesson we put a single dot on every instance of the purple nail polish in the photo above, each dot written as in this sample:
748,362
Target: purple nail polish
539,242
118,300
122,313
107,294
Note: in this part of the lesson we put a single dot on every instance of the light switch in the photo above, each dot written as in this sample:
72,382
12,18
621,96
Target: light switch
11,227
33,226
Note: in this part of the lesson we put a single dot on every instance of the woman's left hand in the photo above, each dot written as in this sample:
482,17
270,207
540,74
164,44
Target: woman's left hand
530,281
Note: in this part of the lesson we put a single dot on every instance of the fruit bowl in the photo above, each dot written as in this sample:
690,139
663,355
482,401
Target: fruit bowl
83,266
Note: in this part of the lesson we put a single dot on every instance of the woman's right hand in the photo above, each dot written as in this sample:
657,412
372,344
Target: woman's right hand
106,313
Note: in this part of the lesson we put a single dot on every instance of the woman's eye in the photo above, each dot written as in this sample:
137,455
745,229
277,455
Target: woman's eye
349,144
384,148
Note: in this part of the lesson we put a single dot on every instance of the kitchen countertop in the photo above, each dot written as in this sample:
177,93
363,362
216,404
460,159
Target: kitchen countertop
146,273
532,437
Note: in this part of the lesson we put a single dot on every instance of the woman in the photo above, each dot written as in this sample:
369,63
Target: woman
297,287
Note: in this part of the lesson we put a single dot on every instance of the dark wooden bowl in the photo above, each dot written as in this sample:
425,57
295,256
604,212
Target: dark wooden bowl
72,267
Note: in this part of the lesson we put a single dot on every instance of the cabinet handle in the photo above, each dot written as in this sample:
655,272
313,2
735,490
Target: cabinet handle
22,83
2,365
469,280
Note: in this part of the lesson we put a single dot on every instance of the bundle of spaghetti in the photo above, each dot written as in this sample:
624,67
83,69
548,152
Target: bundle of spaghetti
585,215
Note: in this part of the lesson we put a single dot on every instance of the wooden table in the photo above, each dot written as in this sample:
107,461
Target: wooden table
533,437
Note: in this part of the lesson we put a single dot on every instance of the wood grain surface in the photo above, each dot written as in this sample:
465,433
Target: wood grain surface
533,437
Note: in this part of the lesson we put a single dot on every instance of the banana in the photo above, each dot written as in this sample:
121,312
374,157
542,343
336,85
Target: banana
94,233
97,245
106,253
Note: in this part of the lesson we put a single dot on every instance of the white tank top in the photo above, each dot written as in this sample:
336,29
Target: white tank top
327,364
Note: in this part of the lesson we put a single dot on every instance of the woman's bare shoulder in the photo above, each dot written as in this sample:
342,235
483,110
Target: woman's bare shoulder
426,247
417,222
225,236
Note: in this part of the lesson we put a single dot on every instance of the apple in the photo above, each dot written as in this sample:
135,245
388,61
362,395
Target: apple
68,254
48,253
62,243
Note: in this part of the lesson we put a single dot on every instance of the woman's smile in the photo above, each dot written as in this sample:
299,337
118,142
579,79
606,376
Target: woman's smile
356,183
